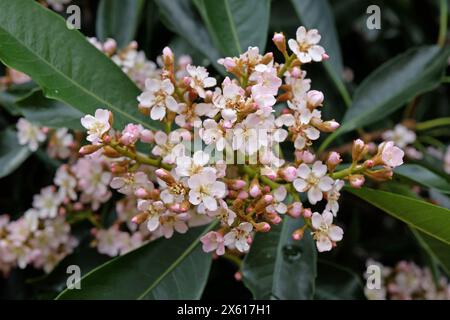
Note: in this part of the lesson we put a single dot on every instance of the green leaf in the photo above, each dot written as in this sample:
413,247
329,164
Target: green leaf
423,176
118,19
317,14
278,267
394,83
64,63
163,269
48,112
181,18
9,97
12,154
335,282
234,25
425,217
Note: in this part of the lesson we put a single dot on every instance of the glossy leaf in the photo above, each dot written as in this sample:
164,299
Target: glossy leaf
334,282
278,267
48,112
119,20
394,83
181,17
12,154
425,217
64,63
163,269
423,176
234,25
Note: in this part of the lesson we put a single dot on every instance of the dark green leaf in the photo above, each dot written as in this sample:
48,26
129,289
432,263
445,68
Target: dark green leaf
278,267
394,83
334,282
64,63
423,176
234,25
12,154
428,218
48,112
164,269
118,19
180,17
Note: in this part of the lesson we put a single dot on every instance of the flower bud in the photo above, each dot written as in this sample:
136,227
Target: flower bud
325,57
110,46
315,98
307,213
298,234
238,276
255,188
333,160
242,195
140,218
295,209
147,136
165,176
110,152
356,180
380,175
288,174
329,126
280,42
168,57
359,150
141,193
262,227
88,149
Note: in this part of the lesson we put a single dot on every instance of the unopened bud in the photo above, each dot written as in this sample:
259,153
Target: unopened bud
110,152
288,174
298,234
140,218
295,209
359,150
333,160
262,227
325,57
280,42
88,149
165,176
356,180
307,213
147,136
255,188
315,98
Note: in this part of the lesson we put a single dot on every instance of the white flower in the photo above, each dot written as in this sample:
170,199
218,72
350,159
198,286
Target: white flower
213,241
47,202
66,183
325,232
59,144
333,197
212,133
391,155
130,182
158,97
205,190
110,241
169,147
224,213
199,79
97,125
31,217
29,134
277,205
154,209
187,166
237,237
306,46
401,136
314,181
171,221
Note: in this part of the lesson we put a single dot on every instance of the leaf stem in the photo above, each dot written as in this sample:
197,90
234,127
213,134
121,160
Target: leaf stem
443,20
433,123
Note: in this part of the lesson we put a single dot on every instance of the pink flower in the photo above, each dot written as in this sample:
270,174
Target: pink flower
213,241
391,155
131,134
314,180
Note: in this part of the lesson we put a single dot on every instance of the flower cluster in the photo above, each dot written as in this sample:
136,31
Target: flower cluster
407,281
31,240
219,157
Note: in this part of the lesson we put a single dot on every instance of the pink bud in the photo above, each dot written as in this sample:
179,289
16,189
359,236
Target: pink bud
369,164
167,53
278,37
110,46
141,193
276,219
315,98
255,190
307,213
296,72
238,276
147,136
243,195
268,198
295,209
357,180
308,157
45,130
289,173
238,184
325,57
334,158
